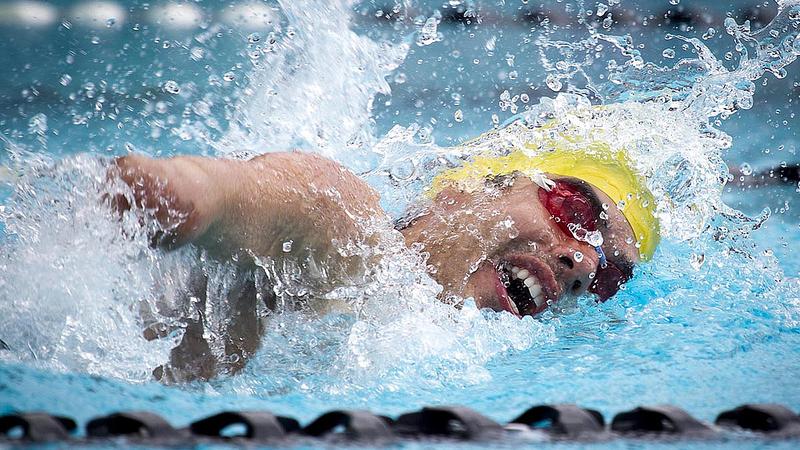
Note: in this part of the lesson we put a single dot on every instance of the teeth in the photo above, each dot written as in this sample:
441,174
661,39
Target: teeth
532,283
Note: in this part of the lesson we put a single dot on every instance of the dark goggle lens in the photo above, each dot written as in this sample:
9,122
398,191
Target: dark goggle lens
569,206
607,281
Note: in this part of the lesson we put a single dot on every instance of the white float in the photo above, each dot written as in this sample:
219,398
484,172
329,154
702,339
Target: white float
98,15
28,14
249,16
176,16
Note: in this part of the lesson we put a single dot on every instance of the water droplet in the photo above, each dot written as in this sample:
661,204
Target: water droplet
229,76
253,38
553,83
95,40
674,2
490,44
668,53
197,53
429,33
696,261
510,59
746,169
524,98
578,256
110,22
458,116
287,246
171,87
65,79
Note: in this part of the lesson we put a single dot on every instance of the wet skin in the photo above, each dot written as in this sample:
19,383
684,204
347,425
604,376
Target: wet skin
472,238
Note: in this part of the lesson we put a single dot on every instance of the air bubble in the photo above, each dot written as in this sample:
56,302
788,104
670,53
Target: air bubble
578,256
65,79
229,76
458,116
287,246
668,53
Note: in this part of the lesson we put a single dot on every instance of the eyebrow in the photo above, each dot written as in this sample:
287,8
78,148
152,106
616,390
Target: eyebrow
622,263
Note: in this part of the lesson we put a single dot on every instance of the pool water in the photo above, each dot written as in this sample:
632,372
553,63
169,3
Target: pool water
711,323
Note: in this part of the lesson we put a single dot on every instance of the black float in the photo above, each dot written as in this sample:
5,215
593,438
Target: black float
554,422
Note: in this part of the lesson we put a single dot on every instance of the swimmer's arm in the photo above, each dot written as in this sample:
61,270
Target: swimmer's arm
262,206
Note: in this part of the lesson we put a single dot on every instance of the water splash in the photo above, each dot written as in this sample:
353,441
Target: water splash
293,98
75,307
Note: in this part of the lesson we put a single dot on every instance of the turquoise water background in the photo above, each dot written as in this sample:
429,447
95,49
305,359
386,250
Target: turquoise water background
705,338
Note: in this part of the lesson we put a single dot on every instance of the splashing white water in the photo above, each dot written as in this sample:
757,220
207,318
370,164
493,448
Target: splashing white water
314,87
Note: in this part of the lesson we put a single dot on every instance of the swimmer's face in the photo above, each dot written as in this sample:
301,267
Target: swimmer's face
509,249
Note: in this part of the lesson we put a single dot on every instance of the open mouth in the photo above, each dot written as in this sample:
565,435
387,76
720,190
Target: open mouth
524,287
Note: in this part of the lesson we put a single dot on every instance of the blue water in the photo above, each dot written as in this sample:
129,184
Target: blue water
705,336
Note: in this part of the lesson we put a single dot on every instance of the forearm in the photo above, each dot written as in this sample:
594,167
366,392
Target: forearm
296,204
275,205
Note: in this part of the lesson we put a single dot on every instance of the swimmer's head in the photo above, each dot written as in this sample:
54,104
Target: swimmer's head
606,169
522,231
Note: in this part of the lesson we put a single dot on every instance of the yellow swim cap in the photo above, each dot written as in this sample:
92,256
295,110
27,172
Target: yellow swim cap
594,162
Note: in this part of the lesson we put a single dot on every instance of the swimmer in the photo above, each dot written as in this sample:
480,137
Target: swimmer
581,219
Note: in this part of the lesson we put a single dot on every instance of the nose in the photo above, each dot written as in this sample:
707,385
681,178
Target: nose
575,268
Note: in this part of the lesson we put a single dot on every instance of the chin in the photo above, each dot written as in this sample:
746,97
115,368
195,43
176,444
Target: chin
481,287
